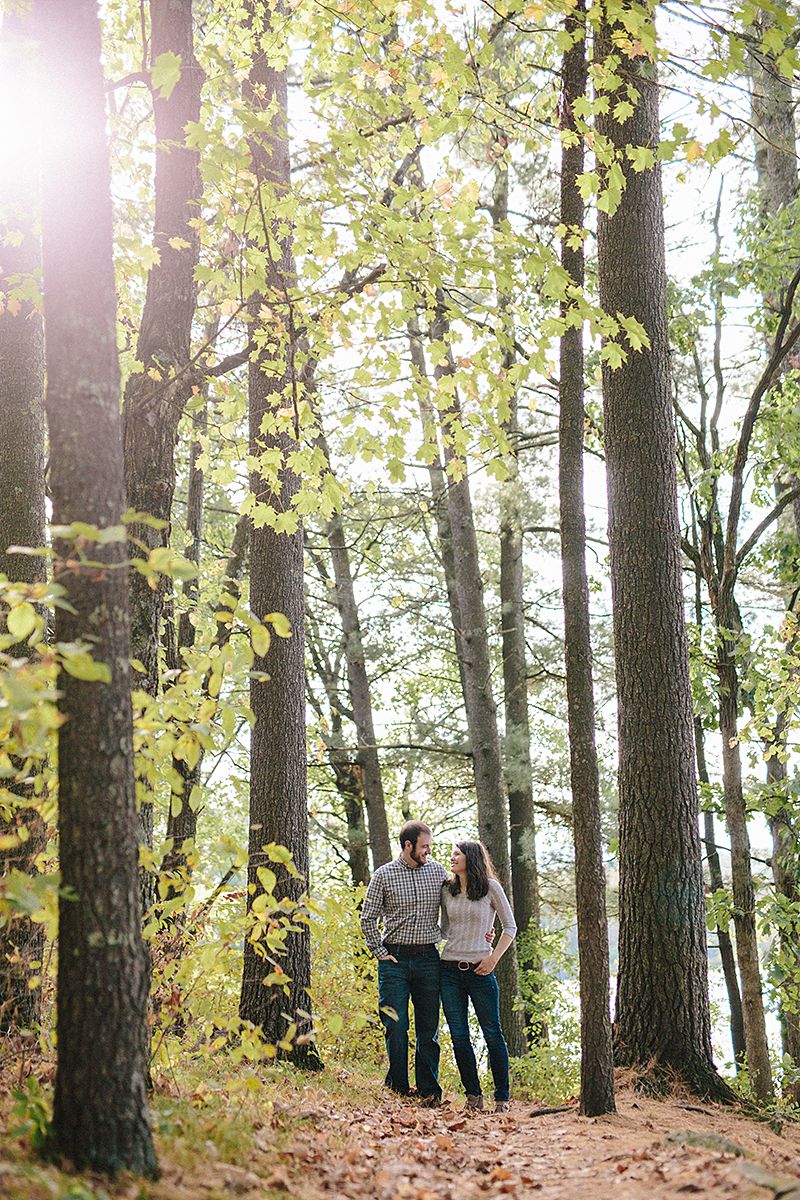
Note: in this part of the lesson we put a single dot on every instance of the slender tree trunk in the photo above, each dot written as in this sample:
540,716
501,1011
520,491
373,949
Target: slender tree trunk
155,396
662,1017
597,1055
278,793
182,823
473,644
717,882
358,685
100,1110
773,117
744,901
517,742
22,515
438,483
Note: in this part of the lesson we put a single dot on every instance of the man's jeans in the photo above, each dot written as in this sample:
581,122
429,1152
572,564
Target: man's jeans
416,978
457,988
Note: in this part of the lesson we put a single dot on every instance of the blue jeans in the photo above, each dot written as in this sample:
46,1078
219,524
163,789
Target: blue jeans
416,979
458,987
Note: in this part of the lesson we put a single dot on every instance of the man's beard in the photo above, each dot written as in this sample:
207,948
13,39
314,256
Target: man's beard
417,859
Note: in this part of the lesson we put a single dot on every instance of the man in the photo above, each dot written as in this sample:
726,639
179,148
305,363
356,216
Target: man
404,898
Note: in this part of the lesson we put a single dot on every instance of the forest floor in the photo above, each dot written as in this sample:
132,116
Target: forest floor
339,1135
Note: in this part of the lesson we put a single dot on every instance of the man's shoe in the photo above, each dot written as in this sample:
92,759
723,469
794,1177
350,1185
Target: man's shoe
430,1101
474,1104
502,1105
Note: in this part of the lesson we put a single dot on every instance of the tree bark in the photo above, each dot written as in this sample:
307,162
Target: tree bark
278,793
597,1054
22,509
100,1109
155,396
662,1015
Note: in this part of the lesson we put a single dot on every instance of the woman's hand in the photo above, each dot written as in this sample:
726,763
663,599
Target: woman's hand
486,965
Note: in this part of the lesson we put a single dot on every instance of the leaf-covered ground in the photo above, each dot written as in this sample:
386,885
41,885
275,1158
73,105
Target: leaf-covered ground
340,1136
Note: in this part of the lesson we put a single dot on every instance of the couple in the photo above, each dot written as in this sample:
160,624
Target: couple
405,898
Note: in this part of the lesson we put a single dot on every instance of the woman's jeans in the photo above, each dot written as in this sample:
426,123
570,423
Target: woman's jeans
415,978
457,988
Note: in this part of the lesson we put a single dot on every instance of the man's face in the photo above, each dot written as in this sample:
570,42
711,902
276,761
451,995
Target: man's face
420,853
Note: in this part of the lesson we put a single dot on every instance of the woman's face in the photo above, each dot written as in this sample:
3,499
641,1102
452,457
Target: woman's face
458,860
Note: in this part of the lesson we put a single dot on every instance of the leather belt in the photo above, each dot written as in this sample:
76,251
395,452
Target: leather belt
409,949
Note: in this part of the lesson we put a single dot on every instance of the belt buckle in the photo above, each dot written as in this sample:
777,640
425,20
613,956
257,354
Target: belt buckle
464,966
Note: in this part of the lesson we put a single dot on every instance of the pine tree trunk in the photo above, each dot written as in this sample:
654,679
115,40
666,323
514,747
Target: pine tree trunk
156,395
100,1109
22,513
278,790
517,742
597,1055
662,1015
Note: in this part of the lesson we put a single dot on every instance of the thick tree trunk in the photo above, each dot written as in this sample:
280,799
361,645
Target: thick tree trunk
278,793
472,643
717,882
155,396
517,742
22,514
597,1054
100,1108
662,1016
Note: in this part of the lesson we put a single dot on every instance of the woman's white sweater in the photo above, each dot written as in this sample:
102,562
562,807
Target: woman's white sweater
465,923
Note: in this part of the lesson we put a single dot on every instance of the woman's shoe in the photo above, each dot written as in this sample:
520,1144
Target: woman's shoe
474,1104
501,1105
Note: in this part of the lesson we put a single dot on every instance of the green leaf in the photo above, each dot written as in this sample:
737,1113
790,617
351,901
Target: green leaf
81,665
260,637
280,624
22,621
165,73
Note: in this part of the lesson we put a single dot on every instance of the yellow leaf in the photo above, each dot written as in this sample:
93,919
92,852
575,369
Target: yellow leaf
694,151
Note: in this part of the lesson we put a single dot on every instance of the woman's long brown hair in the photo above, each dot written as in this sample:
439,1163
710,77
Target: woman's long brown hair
479,871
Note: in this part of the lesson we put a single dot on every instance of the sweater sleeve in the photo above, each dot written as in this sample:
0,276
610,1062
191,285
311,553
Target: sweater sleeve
502,908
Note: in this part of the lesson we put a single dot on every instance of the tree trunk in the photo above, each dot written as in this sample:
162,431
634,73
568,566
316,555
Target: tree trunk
597,1055
662,1015
517,742
182,823
278,793
155,396
717,882
371,781
773,117
744,901
22,513
472,643
100,1108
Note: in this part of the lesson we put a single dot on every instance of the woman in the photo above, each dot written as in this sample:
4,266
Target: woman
470,899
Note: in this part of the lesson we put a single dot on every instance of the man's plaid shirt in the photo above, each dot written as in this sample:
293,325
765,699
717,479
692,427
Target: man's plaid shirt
405,901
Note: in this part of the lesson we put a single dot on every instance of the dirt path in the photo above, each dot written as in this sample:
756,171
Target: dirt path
647,1151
